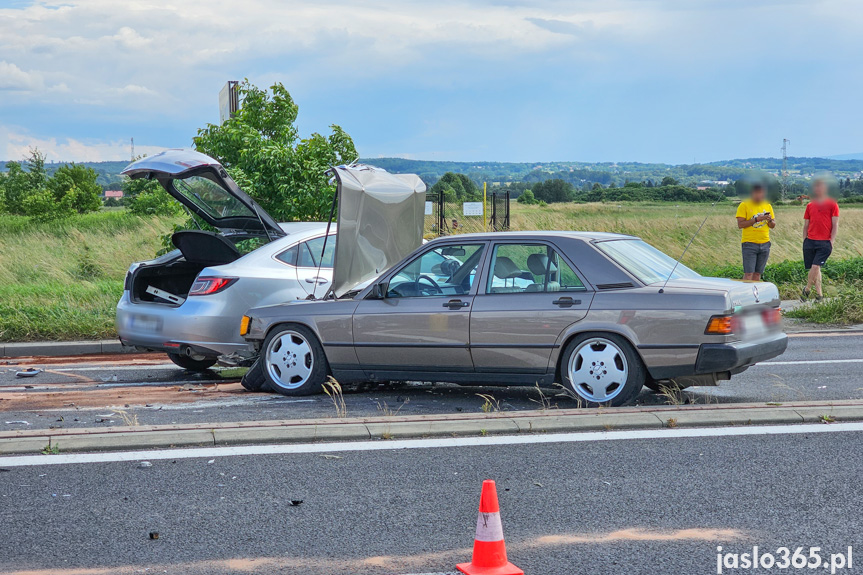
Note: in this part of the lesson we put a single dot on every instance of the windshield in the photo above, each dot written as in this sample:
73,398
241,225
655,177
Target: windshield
644,261
208,194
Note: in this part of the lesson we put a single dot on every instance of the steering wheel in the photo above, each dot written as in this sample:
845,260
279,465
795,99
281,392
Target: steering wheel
430,280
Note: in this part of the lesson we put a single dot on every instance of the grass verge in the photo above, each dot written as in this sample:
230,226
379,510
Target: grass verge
845,308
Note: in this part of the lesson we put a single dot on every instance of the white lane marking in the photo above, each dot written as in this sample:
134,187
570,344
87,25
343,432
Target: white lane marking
384,445
809,362
114,367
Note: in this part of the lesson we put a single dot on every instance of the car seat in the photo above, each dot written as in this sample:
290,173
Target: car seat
539,265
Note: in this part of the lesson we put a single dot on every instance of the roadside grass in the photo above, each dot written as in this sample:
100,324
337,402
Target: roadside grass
845,308
62,280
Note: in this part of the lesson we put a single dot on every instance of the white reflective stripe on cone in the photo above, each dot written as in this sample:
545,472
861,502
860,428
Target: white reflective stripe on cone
488,527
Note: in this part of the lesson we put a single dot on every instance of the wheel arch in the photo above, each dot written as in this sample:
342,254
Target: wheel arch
558,361
306,325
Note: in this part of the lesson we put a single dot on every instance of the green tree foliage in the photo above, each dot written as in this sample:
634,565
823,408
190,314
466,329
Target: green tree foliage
75,187
553,191
638,193
153,201
262,150
16,187
526,197
669,181
456,187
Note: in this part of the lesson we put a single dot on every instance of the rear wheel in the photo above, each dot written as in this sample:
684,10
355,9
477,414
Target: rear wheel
192,363
602,369
293,361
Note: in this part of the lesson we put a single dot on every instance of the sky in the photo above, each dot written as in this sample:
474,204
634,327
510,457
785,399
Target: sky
676,81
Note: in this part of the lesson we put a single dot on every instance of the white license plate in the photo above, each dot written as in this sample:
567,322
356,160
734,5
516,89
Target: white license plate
145,324
753,325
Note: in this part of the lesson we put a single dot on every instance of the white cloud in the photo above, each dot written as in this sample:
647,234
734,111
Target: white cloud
15,79
18,146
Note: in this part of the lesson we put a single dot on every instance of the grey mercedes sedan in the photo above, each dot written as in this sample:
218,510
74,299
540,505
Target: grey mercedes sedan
602,314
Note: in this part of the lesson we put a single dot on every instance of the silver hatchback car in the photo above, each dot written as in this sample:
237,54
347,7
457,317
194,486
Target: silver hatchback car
188,302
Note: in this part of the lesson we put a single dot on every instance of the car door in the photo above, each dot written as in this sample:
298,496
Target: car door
529,295
423,322
314,273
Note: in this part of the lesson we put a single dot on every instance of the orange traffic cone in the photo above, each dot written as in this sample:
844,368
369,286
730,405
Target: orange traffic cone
489,550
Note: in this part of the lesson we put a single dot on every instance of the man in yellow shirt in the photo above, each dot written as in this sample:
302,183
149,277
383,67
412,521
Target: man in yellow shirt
755,219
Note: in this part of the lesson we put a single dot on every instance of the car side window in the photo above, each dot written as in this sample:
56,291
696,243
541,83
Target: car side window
310,253
444,271
530,268
289,256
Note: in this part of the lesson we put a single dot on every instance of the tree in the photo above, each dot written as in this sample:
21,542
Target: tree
154,201
74,186
669,181
16,186
456,186
551,191
526,197
262,150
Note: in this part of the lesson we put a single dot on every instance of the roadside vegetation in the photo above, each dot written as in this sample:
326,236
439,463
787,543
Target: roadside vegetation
62,279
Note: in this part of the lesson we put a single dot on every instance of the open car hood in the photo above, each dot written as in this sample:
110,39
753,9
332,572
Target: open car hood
201,184
381,217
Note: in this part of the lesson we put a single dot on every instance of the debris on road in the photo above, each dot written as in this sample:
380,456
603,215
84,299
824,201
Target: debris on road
154,535
19,422
296,502
29,372
328,456
144,465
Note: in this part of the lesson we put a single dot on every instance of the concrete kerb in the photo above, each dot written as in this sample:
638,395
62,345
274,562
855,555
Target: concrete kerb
401,427
63,348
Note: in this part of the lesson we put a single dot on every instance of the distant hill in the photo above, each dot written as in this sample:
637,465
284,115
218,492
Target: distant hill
847,157
578,173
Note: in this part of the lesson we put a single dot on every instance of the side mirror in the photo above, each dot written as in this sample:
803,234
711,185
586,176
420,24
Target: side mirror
379,291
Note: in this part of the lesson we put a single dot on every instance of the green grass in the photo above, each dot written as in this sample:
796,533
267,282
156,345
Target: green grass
845,308
62,280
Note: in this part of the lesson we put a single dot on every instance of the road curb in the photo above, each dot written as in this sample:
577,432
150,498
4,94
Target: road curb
63,348
419,426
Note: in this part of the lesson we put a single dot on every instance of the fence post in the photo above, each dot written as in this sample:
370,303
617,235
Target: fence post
441,216
506,218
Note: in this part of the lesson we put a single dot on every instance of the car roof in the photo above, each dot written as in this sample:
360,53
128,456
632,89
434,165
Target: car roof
302,227
538,235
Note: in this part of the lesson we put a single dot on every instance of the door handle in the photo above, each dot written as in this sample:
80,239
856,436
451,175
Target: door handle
456,304
566,302
317,279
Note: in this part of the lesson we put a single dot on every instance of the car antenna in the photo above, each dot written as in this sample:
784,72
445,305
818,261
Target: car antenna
692,239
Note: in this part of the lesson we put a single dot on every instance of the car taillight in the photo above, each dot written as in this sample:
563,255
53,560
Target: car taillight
772,316
210,285
720,325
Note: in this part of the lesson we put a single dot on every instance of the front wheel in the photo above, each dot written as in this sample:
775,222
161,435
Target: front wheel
192,364
293,361
602,369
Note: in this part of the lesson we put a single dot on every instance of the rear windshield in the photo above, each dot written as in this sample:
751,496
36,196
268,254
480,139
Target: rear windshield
208,194
644,261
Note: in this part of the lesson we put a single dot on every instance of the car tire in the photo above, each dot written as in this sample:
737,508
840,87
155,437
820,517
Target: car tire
192,364
602,369
254,379
293,361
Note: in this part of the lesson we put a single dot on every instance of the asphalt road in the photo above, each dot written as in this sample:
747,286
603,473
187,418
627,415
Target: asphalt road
630,506
144,389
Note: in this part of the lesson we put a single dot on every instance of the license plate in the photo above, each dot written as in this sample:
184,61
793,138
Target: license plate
753,325
145,324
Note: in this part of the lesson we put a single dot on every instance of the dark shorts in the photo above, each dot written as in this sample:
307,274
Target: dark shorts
816,252
755,257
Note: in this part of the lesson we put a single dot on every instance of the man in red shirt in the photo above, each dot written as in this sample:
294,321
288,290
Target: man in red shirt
821,222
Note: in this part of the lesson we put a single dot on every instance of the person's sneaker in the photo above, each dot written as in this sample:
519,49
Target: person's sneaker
819,297
805,294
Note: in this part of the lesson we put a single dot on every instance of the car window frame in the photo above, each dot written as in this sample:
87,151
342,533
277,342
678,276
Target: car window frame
480,266
588,287
297,258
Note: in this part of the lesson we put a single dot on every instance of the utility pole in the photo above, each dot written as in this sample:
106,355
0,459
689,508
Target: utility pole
133,149
785,142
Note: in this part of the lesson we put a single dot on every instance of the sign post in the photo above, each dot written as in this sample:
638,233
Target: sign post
484,202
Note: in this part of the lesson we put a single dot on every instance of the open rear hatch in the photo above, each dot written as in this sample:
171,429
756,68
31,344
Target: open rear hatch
203,186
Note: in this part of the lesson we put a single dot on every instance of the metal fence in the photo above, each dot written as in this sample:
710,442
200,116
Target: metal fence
448,217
